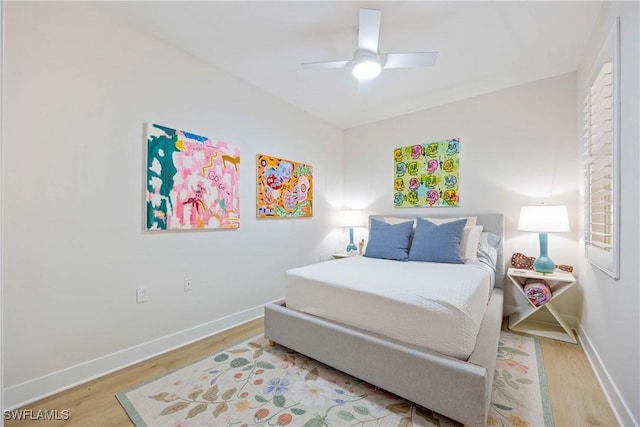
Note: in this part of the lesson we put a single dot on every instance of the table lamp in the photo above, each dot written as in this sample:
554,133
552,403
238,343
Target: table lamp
544,219
351,218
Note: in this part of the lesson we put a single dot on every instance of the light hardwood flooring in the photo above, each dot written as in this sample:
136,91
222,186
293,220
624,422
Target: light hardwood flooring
576,397
575,394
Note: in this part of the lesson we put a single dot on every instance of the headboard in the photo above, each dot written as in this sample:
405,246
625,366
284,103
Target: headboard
493,223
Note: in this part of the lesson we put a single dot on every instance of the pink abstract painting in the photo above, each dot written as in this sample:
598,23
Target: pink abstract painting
192,182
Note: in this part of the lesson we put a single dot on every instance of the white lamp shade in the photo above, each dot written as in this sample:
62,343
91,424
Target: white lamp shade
352,218
544,219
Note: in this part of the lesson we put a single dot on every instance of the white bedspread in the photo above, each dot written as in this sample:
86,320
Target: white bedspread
431,305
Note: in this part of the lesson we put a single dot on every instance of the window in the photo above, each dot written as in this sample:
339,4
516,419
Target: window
601,123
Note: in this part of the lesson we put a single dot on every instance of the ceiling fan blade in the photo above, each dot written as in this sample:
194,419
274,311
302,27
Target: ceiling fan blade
327,64
369,29
410,60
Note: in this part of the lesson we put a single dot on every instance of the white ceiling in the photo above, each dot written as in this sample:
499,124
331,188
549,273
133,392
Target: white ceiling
484,46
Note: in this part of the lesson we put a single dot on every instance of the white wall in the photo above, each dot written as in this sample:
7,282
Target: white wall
1,204
517,148
79,86
610,318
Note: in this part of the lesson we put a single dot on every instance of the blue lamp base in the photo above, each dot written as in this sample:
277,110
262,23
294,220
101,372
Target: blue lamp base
351,247
544,264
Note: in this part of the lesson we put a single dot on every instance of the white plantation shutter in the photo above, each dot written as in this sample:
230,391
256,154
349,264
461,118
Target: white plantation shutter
601,118
599,160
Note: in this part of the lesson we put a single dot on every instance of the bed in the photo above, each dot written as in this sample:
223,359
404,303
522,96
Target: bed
454,382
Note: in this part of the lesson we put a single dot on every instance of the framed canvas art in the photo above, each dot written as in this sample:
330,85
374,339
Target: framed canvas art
284,188
192,181
427,175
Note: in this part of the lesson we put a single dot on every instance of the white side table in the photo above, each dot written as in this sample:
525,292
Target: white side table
559,282
343,255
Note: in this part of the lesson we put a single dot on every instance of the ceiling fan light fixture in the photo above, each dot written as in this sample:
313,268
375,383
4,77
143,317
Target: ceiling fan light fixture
366,66
366,70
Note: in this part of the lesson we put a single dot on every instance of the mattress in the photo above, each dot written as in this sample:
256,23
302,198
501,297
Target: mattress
430,305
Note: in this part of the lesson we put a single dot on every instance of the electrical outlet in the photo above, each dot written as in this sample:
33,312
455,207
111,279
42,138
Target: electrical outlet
142,294
188,284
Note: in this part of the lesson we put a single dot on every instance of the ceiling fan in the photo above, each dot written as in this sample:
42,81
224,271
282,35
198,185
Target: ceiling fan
367,62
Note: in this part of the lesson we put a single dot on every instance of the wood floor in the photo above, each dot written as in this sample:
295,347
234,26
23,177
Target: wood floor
576,397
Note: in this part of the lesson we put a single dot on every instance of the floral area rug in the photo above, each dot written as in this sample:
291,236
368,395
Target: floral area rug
252,384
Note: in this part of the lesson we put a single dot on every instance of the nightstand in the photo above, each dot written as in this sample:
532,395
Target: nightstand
343,255
559,282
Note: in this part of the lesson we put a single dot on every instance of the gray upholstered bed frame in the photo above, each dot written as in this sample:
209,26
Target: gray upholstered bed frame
458,389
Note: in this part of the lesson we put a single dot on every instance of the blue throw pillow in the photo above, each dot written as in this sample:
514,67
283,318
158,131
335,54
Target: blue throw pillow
437,243
389,241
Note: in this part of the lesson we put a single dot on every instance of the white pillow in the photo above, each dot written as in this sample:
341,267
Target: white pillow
395,220
471,220
469,243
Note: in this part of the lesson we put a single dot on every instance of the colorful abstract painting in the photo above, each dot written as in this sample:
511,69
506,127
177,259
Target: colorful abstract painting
427,175
285,188
192,181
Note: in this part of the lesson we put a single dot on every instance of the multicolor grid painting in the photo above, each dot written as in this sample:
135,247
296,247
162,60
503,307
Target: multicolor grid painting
192,181
427,175
285,188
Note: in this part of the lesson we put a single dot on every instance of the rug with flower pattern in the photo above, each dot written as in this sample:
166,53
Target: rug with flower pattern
252,384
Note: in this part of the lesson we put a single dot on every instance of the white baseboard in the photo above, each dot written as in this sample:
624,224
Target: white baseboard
55,382
617,403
